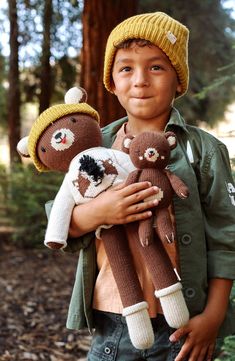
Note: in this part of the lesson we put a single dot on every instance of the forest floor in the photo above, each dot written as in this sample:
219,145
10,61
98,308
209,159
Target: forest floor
35,289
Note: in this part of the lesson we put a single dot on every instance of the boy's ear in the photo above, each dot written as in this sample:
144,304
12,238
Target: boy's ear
22,147
179,89
113,88
126,143
171,138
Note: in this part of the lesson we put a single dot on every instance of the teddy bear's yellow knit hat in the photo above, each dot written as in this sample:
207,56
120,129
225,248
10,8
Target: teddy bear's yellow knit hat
161,30
50,115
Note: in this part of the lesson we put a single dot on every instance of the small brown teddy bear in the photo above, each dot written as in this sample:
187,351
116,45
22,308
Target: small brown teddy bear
67,137
150,153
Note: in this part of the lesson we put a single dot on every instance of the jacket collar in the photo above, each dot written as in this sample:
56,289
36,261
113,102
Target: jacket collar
176,120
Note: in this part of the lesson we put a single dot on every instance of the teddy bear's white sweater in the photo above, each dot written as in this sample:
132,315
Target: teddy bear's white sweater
72,192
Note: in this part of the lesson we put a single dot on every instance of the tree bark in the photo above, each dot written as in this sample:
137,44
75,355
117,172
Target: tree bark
46,78
13,117
99,18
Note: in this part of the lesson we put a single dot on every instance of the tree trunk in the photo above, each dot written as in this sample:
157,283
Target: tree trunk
45,78
14,85
99,18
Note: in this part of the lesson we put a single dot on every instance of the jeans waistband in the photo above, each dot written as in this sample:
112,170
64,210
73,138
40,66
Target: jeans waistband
100,316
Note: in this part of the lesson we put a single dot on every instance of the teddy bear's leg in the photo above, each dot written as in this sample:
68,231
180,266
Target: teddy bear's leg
163,225
167,286
135,309
173,305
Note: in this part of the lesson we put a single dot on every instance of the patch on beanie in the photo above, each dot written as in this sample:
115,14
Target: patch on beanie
171,37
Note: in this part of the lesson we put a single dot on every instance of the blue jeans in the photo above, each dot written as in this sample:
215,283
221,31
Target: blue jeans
111,341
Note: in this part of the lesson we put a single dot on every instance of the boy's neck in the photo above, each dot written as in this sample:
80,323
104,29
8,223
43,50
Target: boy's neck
137,126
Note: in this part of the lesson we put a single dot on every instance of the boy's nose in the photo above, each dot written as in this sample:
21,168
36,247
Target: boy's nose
140,80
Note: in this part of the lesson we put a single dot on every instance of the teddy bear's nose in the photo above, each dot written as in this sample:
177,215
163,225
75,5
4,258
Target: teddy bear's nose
58,135
151,153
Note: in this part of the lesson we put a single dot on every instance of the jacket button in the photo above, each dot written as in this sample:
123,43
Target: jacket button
186,239
189,292
107,350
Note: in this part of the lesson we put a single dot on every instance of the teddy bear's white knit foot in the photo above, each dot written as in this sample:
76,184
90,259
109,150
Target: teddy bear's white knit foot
173,305
139,325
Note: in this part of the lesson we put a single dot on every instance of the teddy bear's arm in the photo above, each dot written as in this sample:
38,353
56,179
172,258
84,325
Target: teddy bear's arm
133,177
178,185
163,225
60,216
146,231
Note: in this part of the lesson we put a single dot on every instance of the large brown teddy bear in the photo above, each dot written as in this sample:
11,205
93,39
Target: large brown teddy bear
67,137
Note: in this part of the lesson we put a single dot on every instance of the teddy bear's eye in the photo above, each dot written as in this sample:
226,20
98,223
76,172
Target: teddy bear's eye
43,149
73,120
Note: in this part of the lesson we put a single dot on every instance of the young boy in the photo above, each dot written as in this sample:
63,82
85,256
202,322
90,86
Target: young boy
146,67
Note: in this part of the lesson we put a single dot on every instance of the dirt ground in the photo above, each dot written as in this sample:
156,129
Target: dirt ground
35,289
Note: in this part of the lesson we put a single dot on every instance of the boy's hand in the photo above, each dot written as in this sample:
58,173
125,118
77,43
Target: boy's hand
200,337
118,205
201,331
123,204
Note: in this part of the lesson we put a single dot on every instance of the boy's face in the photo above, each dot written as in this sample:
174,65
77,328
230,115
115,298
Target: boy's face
145,82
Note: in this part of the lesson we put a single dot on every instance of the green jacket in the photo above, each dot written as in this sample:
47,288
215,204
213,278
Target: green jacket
205,224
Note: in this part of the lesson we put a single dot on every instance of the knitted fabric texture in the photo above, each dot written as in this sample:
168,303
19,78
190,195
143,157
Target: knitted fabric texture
49,116
161,30
173,305
139,325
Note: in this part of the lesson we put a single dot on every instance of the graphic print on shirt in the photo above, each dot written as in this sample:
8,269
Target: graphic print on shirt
231,192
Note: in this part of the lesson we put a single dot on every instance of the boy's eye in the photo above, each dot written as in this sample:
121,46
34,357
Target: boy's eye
126,69
156,67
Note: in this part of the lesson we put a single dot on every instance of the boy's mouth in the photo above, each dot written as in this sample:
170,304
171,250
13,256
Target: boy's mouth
141,97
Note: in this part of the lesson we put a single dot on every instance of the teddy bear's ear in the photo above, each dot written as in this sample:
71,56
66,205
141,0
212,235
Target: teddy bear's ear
171,138
126,143
22,147
75,95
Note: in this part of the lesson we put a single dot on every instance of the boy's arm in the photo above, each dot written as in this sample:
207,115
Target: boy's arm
201,331
118,205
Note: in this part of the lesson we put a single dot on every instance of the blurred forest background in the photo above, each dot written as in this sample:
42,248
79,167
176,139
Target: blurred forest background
47,46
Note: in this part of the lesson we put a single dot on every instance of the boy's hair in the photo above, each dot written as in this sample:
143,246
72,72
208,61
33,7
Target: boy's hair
157,29
126,44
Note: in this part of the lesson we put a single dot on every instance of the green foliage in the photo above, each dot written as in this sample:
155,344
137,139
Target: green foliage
28,191
3,183
228,349
227,352
221,80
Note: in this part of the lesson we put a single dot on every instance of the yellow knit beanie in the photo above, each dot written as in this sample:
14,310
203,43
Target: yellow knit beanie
50,115
161,30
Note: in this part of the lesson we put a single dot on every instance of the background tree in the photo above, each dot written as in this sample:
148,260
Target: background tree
14,84
98,20
3,92
45,78
50,31
211,39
